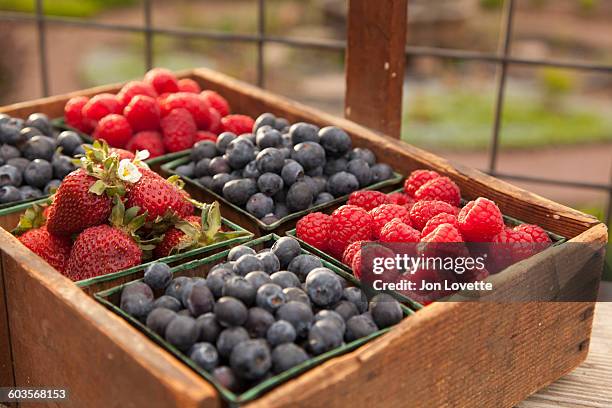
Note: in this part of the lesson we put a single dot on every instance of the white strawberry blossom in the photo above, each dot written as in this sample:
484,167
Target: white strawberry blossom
140,157
128,171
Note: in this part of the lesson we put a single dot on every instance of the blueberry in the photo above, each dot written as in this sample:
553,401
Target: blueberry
287,356
286,151
239,191
206,182
323,198
297,295
216,280
364,154
41,122
10,131
239,288
176,285
9,194
358,327
208,327
269,219
182,332
157,275
258,278
292,172
270,183
298,314
280,332
303,132
270,160
186,170
386,311
10,176
309,154
342,183
250,170
20,162
230,312
281,124
225,376
8,152
38,173
270,262
280,210
299,196
137,305
357,297
224,140
285,279
267,136
250,137
204,149
158,319
335,141
260,205
285,249
69,140
62,166
381,172
239,250
315,172
28,192
251,359
323,287
317,184
270,296
361,170
346,309
139,288
265,119
334,166
167,302
219,181
79,151
52,186
281,196
200,168
219,165
205,355
229,338
247,263
287,143
258,322
324,336
332,316
199,299
26,134
302,264
39,147
239,152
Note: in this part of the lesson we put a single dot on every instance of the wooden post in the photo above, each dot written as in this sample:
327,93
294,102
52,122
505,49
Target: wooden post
375,61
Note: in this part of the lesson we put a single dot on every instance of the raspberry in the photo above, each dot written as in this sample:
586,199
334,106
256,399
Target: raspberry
314,229
350,252
400,198
444,233
349,223
216,101
439,188
536,232
162,80
373,251
385,213
442,218
73,112
133,88
416,179
188,85
147,140
100,106
423,211
397,231
510,246
115,129
204,135
197,107
121,153
480,220
368,199
143,113
237,124
179,130
215,121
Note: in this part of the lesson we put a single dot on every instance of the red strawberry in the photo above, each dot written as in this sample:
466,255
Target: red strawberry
385,213
100,106
188,85
442,218
367,199
349,223
73,112
480,220
237,124
142,113
147,140
204,135
314,229
52,248
163,80
423,211
397,231
444,233
215,121
114,129
439,188
133,88
216,101
351,251
195,105
536,232
417,178
179,130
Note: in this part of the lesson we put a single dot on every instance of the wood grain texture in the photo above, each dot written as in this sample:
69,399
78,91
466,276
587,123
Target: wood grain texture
375,60
6,357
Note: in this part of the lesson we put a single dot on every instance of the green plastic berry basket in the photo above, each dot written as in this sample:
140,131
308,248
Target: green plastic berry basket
243,217
111,298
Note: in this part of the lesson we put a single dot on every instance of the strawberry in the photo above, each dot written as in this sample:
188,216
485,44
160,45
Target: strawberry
368,199
133,88
147,140
349,223
179,130
480,220
416,179
398,231
439,188
216,101
142,113
237,124
193,103
385,213
73,112
100,106
314,229
163,80
114,129
188,85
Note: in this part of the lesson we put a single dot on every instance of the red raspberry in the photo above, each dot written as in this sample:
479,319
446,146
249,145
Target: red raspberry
536,232
397,231
216,101
400,198
373,250
188,85
143,113
349,223
416,179
179,130
444,233
423,211
73,112
204,135
237,124
442,218
162,80
115,129
100,106
350,252
147,140
197,107
215,121
368,199
314,229
440,188
385,213
133,88
121,153
480,220
510,246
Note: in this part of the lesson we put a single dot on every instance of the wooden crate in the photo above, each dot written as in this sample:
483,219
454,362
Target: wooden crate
448,354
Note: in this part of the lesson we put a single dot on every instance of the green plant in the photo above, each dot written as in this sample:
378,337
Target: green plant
70,8
491,4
